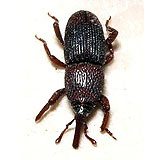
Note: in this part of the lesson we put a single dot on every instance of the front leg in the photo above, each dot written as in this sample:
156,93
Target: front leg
104,102
52,58
111,37
56,95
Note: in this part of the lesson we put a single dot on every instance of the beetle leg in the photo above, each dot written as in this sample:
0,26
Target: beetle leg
88,137
57,29
104,102
112,32
53,59
110,55
56,95
111,37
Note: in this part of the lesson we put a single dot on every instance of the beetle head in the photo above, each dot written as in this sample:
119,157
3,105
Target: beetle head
83,109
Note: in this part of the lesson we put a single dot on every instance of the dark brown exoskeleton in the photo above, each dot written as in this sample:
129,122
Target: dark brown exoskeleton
86,52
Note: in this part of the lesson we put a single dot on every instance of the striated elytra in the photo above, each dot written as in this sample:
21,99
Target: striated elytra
86,52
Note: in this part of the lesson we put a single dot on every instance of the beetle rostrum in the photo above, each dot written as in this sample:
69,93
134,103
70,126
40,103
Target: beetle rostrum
86,53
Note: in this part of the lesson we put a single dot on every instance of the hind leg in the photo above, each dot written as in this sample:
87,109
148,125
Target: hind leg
52,58
57,29
111,37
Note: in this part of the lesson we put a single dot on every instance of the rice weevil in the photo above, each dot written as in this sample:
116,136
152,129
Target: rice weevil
86,51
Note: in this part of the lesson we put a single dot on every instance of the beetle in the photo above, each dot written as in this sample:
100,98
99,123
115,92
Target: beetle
86,51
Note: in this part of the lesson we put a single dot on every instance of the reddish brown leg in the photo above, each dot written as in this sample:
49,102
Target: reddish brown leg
111,37
112,32
53,59
105,107
56,95
57,29
110,55
61,135
89,138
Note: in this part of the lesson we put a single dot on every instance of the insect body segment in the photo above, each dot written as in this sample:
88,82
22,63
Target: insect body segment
85,51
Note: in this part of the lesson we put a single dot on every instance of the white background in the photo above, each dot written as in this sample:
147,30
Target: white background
28,80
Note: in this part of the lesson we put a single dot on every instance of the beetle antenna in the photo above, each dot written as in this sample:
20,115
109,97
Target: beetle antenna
87,136
62,133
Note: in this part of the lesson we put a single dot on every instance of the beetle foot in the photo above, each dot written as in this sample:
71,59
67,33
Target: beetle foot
107,22
40,39
53,17
109,132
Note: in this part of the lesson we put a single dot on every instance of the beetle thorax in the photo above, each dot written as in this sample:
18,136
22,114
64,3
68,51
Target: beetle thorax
84,82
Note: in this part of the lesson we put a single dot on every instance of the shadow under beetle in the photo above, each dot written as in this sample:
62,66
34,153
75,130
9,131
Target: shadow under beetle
86,52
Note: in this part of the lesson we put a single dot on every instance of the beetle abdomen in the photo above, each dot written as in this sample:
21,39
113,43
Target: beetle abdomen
84,82
84,39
